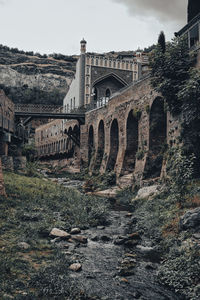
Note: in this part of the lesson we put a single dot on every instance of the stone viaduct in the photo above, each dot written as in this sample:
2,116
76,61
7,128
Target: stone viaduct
128,135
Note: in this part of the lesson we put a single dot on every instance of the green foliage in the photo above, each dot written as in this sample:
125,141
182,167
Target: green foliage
29,150
170,71
181,270
53,280
31,169
180,169
161,41
174,76
33,207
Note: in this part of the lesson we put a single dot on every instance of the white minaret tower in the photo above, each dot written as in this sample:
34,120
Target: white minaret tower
83,46
82,72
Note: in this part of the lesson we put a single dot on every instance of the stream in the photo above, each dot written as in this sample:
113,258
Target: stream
113,266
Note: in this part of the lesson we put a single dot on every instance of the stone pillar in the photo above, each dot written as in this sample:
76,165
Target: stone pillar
84,145
2,186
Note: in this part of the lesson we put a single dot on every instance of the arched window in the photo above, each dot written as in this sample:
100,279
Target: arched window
95,94
108,93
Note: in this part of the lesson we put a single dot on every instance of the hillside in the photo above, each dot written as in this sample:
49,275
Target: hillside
33,78
28,77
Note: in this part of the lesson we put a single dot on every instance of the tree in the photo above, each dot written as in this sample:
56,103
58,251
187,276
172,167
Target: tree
170,71
161,41
174,76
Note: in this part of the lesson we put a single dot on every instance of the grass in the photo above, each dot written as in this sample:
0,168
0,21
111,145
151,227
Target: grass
32,208
157,220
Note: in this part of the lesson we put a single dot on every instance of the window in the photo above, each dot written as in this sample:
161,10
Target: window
114,64
88,70
74,102
105,62
194,35
110,63
108,93
118,65
87,79
95,94
97,61
92,61
87,98
71,104
127,65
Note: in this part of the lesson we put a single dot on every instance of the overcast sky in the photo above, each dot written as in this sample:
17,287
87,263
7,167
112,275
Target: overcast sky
48,26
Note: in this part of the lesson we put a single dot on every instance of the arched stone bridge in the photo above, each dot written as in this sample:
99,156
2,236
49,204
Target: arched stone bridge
128,135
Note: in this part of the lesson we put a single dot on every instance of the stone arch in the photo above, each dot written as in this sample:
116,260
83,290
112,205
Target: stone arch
114,145
76,131
101,145
131,144
90,143
157,139
69,134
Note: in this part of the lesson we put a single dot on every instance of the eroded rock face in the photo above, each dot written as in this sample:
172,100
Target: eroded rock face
190,220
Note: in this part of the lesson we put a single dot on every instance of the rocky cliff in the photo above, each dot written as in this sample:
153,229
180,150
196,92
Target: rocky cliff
32,78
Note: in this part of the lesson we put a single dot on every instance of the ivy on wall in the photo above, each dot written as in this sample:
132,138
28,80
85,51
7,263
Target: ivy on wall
174,76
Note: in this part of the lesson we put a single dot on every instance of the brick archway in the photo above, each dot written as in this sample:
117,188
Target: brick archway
101,145
90,144
157,139
131,144
114,145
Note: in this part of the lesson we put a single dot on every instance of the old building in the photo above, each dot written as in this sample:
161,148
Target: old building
98,76
6,122
128,132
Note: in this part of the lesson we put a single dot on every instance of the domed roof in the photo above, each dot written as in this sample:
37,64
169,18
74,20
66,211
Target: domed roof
83,41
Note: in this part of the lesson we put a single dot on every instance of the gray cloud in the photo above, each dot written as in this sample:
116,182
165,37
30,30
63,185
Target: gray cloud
162,10
2,2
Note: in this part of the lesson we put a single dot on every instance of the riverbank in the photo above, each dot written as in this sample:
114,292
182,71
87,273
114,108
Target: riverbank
128,247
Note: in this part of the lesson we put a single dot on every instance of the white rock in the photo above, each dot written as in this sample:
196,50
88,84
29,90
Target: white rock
147,191
75,267
60,233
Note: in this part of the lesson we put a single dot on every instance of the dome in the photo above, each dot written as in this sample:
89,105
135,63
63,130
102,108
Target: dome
83,41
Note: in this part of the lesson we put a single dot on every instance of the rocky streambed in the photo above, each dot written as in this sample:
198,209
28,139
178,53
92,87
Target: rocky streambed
113,261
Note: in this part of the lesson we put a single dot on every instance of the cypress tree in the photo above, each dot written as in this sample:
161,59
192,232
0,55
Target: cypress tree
161,41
